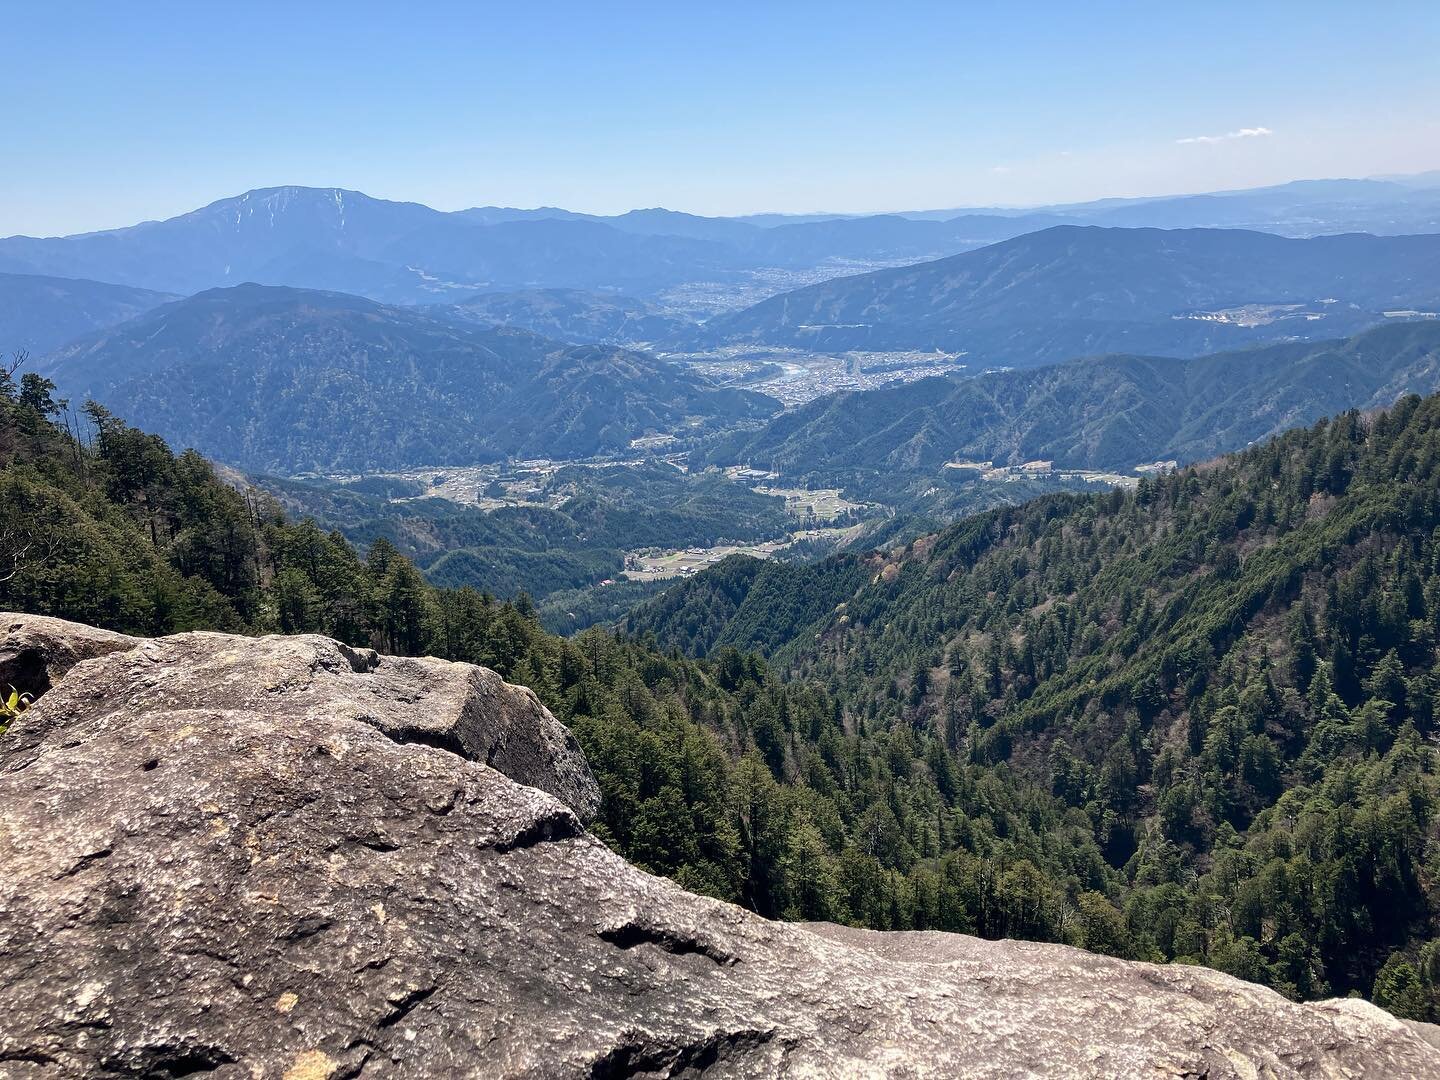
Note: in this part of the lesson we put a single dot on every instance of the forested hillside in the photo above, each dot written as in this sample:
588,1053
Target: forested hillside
749,604
1191,723
1214,698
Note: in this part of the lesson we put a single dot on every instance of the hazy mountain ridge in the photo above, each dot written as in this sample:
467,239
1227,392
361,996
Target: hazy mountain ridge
1069,291
1386,205
229,241
404,252
39,313
285,380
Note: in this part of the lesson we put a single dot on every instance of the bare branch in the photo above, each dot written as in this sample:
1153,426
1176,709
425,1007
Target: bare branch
18,359
17,552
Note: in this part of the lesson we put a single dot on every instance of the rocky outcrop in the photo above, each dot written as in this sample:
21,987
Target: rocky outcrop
35,651
298,680
216,861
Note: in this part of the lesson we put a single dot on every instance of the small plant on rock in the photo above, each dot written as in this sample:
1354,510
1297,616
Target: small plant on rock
11,707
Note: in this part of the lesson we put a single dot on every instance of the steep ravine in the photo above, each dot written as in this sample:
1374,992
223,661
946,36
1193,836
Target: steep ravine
283,857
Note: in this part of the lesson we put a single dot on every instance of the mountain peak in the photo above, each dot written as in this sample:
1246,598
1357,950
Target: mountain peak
273,205
287,195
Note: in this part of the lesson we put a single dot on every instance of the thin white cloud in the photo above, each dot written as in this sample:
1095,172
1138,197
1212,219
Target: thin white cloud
1000,168
1243,133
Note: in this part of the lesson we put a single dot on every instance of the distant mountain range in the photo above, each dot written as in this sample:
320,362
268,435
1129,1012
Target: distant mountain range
1391,205
39,313
288,380
1071,291
403,252
347,241
1112,412
407,253
392,334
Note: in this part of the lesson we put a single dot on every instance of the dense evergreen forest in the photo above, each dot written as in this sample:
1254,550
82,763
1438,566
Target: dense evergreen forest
1192,723
1199,719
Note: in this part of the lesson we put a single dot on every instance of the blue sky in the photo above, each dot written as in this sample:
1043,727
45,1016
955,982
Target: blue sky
120,112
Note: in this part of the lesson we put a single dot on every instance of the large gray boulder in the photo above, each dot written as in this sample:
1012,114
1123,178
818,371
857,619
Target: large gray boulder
460,707
35,650
278,884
